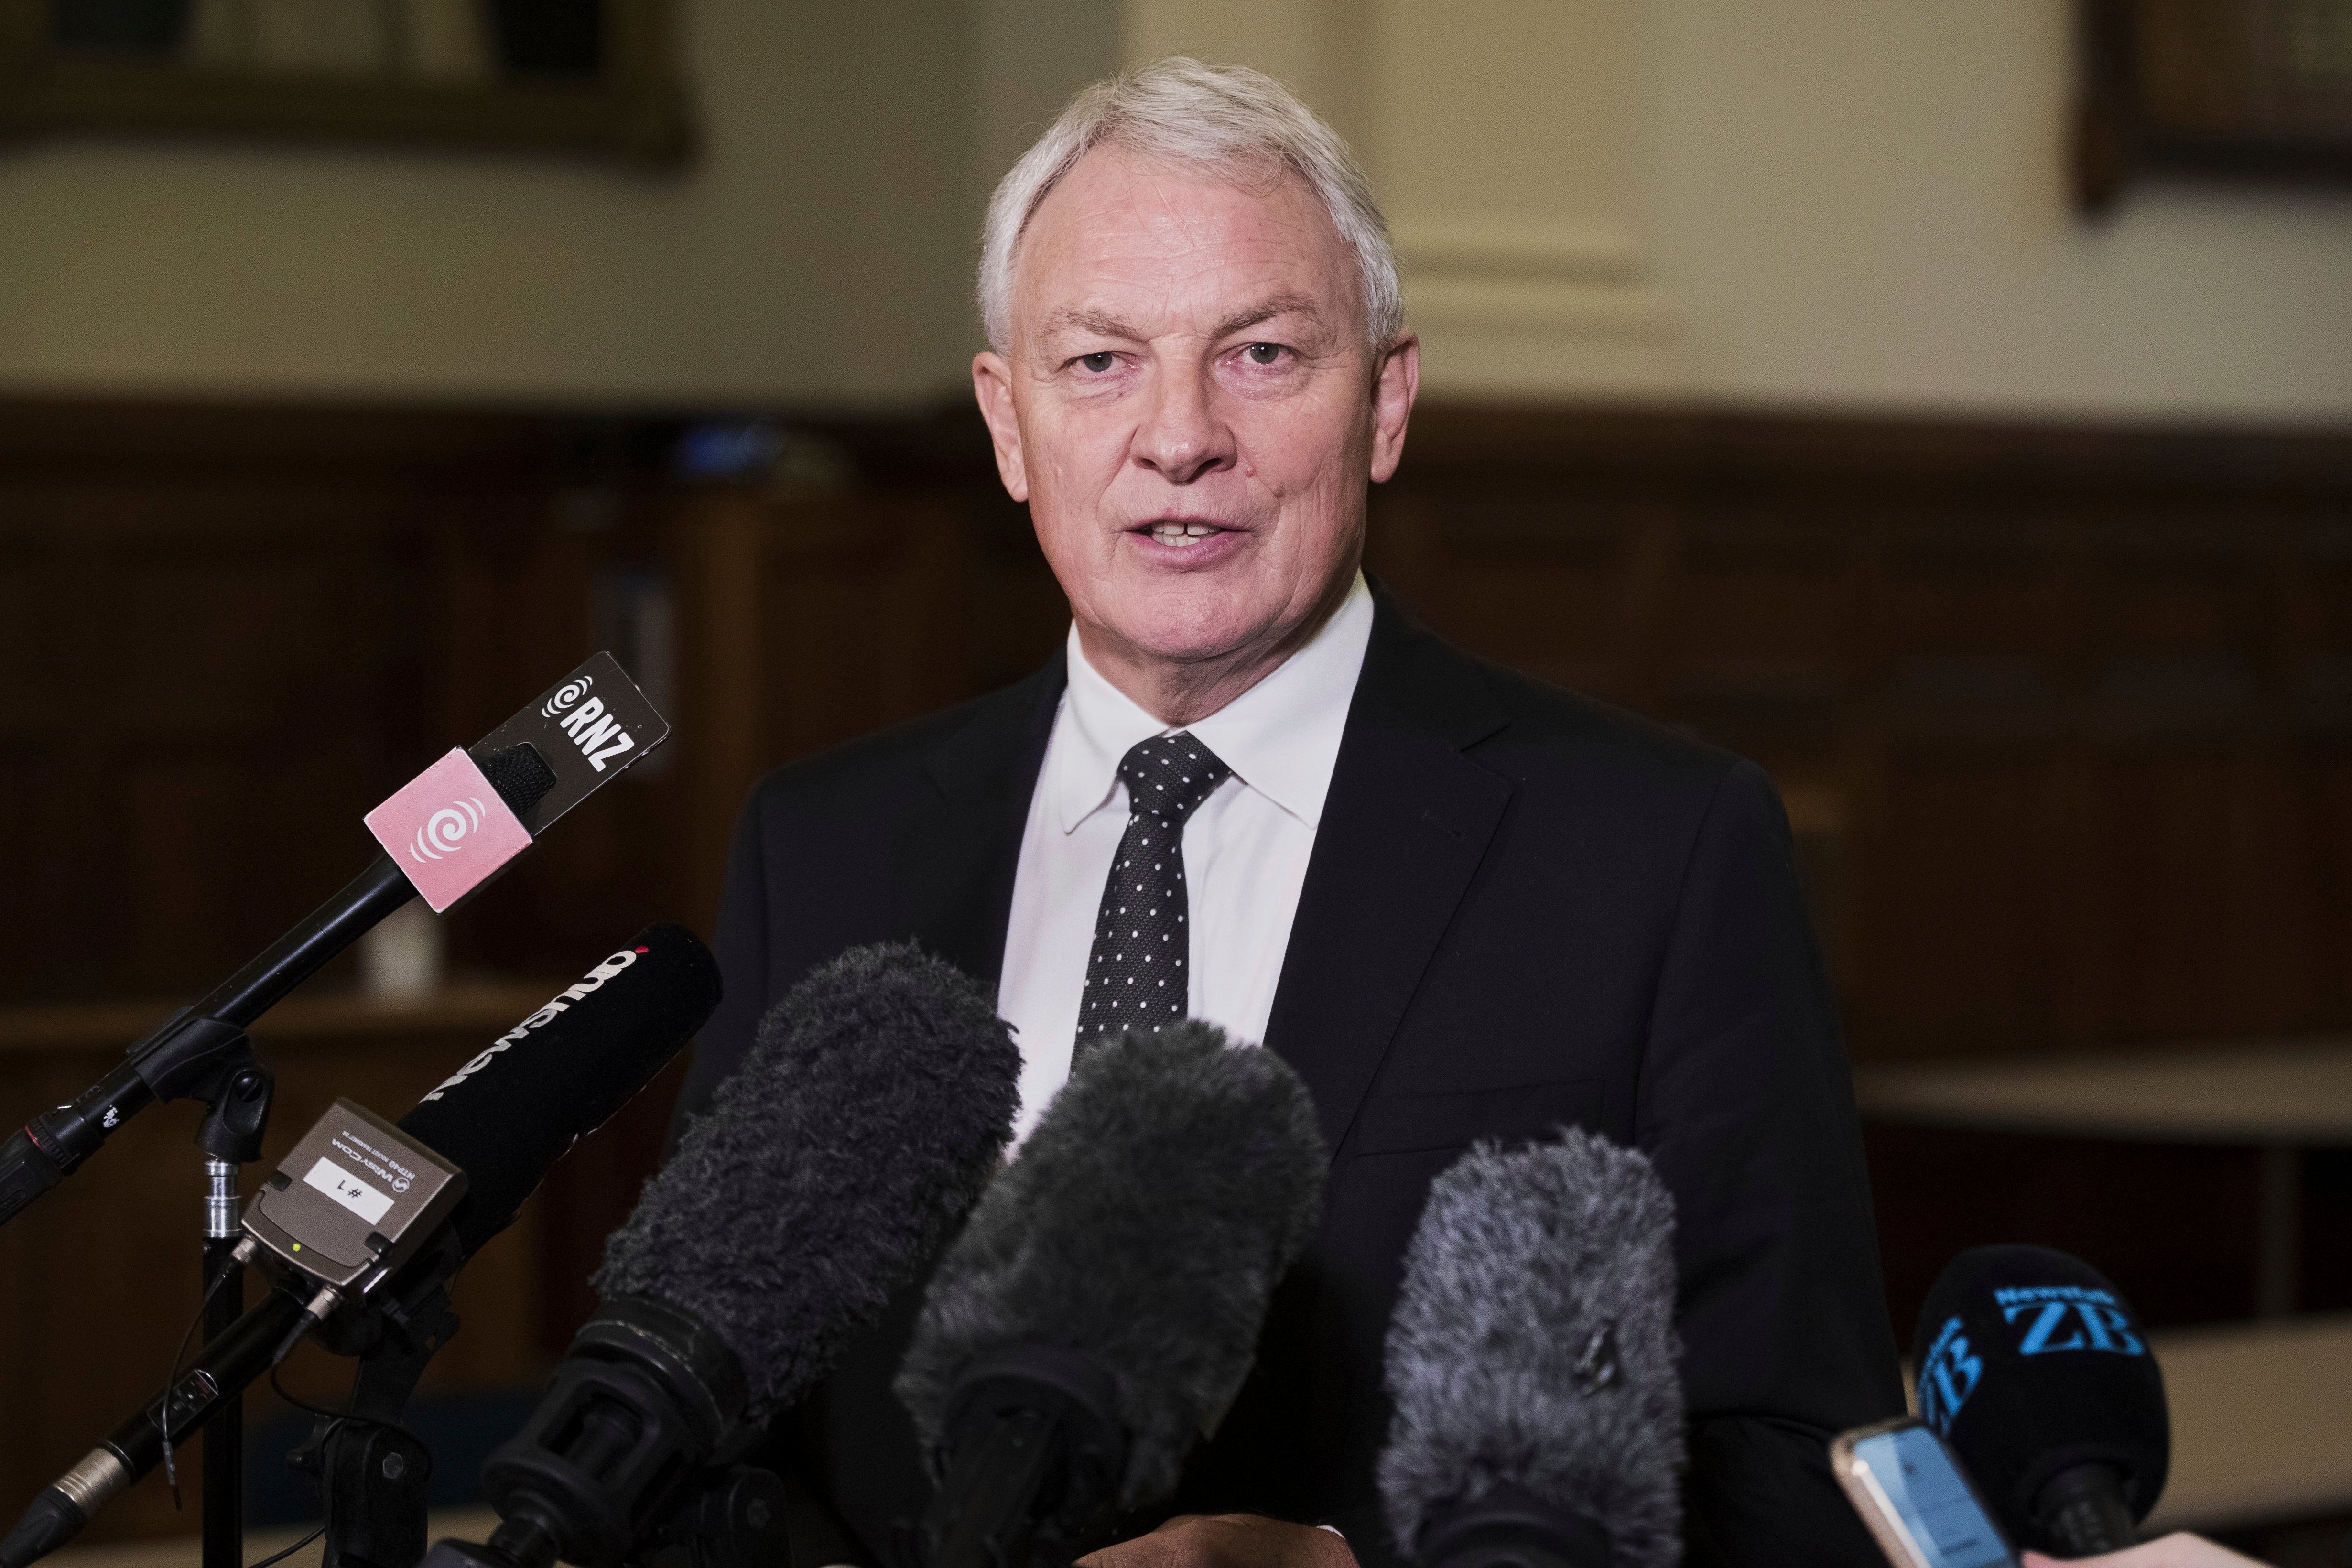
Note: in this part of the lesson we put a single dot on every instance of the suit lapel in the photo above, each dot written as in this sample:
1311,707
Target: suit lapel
953,861
1403,830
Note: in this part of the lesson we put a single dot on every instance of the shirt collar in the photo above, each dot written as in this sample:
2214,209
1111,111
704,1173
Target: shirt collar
1281,737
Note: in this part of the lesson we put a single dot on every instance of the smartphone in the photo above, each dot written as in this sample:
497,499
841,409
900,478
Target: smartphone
1915,1498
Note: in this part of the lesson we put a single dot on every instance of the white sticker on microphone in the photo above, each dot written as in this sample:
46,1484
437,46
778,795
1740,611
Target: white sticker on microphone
348,1190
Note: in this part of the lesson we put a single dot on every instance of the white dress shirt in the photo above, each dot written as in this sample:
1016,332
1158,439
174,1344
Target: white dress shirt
1245,848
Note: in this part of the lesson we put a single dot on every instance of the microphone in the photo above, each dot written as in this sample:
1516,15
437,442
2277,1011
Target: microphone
502,1119
2038,1373
1531,1360
870,1111
444,833
1100,1310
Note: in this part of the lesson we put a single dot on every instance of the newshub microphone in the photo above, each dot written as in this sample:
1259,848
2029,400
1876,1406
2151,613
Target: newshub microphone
1531,1359
445,834
502,1119
871,1110
2038,1373
1098,1315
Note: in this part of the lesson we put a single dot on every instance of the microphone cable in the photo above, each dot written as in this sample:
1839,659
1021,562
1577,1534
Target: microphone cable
179,1358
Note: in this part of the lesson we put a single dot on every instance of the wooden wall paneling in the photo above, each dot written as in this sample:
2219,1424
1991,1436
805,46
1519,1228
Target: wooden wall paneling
2072,874
1536,579
1651,573
1952,928
2316,596
2323,848
2180,676
1764,618
1941,1190
1404,543
1954,925
865,624
718,536
193,786
1014,615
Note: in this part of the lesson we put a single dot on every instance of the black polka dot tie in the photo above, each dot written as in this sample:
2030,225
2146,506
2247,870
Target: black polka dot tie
1139,970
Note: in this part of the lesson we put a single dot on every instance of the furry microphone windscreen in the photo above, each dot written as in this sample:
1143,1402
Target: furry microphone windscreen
864,1123
1533,1345
1169,1186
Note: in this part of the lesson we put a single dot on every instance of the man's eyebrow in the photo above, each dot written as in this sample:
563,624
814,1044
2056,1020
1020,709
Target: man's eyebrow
1082,318
1102,323
1266,310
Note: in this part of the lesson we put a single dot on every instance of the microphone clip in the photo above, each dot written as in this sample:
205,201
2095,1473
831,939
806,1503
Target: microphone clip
1031,1460
1510,1527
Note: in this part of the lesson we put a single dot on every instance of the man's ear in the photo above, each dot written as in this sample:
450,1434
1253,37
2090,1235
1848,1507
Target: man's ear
991,383
1395,383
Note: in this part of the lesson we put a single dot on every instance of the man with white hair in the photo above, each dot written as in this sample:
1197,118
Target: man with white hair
1463,905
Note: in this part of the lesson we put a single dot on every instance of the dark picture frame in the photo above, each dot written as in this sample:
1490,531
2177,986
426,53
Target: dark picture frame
630,105
2259,89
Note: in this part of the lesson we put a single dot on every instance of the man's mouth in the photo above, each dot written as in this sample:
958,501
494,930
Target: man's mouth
1181,535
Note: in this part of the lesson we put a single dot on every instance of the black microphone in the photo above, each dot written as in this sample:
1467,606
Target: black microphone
1098,1315
503,1118
874,1106
439,835
2038,1373
1531,1359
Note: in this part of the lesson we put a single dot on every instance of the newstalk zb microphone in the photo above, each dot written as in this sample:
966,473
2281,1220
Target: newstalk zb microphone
1098,1315
2037,1373
1532,1361
446,832
502,1120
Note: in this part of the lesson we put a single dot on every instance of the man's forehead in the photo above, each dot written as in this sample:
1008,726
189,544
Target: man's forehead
1123,236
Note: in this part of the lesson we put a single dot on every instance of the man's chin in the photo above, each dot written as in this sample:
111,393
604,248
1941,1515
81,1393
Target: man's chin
1187,635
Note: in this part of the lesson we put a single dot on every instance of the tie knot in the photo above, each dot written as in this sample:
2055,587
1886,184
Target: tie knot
1169,775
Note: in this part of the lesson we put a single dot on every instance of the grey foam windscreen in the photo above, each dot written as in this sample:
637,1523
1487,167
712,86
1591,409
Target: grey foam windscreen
1533,1346
1166,1190
862,1124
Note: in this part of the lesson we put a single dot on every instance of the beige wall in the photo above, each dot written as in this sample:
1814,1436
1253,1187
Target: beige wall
1823,202
816,252
1861,200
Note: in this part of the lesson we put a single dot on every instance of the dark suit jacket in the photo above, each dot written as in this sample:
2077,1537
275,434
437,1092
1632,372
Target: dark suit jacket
1524,908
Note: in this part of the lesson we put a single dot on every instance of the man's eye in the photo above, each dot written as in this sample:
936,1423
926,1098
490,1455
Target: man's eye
1100,364
1263,354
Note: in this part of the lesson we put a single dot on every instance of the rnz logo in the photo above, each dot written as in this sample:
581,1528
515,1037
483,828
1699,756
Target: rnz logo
1948,1374
598,734
443,832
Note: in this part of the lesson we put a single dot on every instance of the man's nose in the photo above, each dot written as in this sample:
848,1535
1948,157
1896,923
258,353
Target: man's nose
1182,438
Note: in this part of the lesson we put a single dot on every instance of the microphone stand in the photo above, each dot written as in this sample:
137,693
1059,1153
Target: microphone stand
223,1507
237,1095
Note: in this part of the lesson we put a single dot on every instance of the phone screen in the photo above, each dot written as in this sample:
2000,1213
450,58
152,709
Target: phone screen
1941,1515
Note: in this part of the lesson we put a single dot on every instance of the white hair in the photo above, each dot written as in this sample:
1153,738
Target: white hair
1229,119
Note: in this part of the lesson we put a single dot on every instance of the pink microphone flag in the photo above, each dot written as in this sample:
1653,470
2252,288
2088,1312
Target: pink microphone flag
448,830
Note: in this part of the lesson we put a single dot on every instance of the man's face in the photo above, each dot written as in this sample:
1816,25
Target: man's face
1189,407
